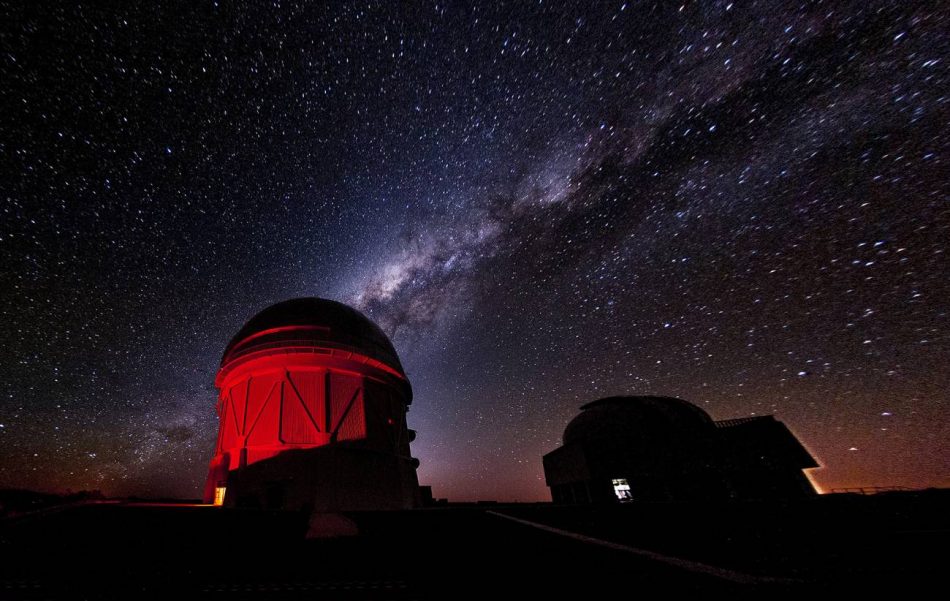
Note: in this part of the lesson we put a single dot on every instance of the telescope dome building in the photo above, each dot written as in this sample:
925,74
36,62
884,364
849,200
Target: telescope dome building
652,448
312,414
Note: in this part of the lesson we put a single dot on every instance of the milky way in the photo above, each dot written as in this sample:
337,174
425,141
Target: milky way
741,204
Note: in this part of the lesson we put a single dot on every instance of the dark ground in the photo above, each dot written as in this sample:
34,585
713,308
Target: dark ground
837,544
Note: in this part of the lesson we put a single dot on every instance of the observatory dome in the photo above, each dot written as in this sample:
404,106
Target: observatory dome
660,449
620,418
312,411
309,322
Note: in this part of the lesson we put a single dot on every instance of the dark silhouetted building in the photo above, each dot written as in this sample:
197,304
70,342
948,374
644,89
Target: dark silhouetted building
312,411
651,448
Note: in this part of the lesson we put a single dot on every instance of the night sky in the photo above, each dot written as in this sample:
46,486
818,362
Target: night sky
744,204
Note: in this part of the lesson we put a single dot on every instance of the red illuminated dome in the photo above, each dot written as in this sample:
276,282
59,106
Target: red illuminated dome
312,409
311,323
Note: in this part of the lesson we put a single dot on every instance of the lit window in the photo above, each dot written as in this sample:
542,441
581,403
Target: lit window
219,496
622,490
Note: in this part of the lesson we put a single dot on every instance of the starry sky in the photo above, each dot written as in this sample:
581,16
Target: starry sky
744,204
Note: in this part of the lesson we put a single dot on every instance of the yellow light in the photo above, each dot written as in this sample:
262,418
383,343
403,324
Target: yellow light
219,496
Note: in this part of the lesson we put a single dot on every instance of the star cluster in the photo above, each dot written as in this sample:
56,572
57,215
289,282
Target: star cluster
744,204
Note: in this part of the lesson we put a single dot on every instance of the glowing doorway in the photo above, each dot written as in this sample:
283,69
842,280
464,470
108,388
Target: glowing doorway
622,490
